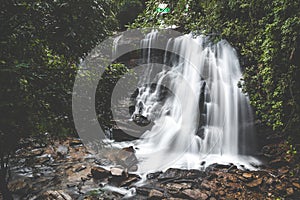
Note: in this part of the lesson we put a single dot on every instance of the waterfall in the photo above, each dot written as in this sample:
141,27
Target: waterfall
204,118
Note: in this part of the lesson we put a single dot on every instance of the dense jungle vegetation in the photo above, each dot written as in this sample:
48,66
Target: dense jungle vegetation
42,43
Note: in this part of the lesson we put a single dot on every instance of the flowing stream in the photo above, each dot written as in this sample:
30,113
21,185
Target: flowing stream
205,119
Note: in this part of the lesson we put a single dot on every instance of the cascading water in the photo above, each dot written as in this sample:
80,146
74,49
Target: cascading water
207,119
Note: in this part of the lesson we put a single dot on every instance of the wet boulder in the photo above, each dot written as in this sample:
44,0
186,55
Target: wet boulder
178,186
153,175
173,173
121,178
55,195
99,173
144,190
75,142
255,183
247,175
116,171
155,194
62,151
126,158
131,179
195,194
289,191
296,185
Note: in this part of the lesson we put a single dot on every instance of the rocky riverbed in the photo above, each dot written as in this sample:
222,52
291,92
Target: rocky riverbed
67,170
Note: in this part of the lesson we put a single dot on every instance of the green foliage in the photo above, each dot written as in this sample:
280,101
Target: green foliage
41,44
106,85
265,35
42,41
69,27
292,149
128,10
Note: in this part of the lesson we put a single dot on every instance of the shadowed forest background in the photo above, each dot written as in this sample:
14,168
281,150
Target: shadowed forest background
42,43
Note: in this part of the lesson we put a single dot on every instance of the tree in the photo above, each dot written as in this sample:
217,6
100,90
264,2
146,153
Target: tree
41,44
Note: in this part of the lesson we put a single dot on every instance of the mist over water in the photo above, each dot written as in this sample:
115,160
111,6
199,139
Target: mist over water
205,118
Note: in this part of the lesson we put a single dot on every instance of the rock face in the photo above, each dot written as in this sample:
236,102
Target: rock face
41,173
219,183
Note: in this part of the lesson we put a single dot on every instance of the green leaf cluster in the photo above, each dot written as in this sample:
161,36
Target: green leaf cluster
41,44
